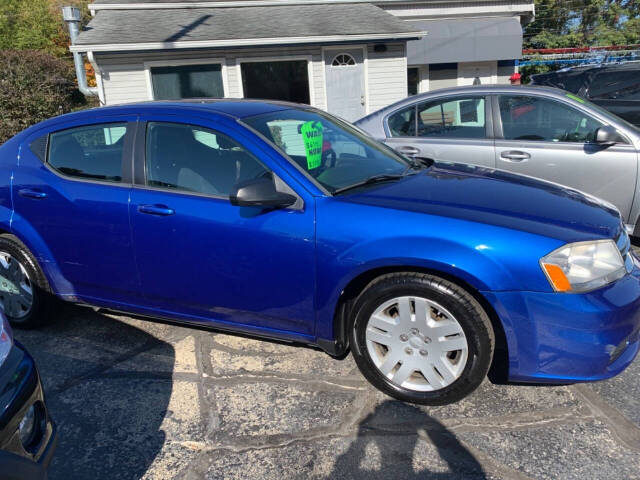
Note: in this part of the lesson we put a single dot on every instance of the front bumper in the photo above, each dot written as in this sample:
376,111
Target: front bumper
20,388
565,338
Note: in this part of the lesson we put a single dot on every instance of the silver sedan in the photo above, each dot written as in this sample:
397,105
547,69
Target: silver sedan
537,131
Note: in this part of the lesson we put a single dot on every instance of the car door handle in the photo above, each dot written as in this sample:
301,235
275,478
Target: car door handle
27,192
161,210
407,150
515,156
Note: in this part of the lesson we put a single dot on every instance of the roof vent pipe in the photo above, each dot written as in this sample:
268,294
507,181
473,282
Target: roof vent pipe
71,16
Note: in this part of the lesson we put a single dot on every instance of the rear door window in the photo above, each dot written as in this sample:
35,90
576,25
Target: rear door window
452,118
90,152
403,122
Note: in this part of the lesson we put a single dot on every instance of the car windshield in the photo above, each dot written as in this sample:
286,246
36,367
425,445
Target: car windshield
333,153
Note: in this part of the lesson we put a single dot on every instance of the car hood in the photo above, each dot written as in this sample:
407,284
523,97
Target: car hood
499,198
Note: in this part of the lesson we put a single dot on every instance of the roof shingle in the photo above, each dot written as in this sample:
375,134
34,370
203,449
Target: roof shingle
175,26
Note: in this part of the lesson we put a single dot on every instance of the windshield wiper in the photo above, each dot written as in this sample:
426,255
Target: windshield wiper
420,163
385,177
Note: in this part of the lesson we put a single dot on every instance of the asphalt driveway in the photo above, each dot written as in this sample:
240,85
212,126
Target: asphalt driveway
136,399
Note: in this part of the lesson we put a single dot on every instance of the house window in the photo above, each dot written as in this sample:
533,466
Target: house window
343,60
413,80
279,80
187,81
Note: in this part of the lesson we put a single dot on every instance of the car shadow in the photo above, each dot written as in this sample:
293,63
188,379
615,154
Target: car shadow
402,442
107,386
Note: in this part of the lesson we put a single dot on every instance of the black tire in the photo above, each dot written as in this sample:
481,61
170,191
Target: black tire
467,311
41,308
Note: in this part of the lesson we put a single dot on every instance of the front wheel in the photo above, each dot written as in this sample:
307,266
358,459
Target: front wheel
421,339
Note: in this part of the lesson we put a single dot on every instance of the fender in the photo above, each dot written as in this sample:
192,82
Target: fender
411,253
477,259
36,245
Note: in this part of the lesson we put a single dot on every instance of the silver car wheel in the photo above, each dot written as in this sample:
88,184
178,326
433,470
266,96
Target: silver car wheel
416,343
16,288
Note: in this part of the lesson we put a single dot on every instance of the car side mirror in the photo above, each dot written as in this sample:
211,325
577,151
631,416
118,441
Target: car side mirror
260,192
607,135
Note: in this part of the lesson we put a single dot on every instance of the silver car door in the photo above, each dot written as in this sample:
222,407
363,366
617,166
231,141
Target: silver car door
547,138
451,129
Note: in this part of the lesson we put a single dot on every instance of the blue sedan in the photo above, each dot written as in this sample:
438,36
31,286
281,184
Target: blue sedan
281,221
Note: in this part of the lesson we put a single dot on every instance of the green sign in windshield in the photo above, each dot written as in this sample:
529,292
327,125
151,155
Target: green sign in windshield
312,135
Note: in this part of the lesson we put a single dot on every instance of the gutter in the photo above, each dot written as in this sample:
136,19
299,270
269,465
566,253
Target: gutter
71,16
249,42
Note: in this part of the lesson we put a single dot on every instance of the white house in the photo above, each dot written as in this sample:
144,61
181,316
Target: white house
349,57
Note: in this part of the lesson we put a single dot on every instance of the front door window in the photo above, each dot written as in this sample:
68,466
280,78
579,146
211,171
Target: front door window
196,159
544,120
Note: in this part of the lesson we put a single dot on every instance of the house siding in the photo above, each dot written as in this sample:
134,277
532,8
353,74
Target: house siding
443,78
386,76
505,72
125,78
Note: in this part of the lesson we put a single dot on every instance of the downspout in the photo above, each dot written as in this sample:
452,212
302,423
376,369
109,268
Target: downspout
71,16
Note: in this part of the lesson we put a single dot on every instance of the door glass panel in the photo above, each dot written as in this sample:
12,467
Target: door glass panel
187,81
288,80
196,159
544,120
403,123
91,152
459,118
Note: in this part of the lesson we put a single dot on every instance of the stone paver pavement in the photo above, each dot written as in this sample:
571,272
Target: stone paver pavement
137,399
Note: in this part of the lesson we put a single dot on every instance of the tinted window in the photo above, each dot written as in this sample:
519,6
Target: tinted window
288,80
413,80
540,119
616,85
187,81
93,152
330,151
459,118
403,123
571,81
196,159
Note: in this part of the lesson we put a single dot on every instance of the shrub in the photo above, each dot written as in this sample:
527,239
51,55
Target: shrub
33,87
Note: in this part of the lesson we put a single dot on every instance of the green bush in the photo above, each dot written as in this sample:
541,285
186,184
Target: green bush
33,87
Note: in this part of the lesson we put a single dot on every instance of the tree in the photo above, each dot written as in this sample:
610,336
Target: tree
36,25
577,23
34,85
580,23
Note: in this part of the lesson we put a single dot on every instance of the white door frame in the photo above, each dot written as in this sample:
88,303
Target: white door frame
365,71
423,77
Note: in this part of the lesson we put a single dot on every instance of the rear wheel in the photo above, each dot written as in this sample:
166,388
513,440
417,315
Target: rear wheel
24,292
421,339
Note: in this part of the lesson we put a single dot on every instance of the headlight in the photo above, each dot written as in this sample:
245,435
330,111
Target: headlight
580,267
6,338
27,427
